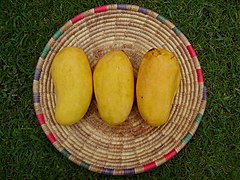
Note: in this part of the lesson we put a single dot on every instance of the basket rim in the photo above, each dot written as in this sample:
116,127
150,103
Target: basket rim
101,9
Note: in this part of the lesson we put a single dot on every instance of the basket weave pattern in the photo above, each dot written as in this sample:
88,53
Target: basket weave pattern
132,147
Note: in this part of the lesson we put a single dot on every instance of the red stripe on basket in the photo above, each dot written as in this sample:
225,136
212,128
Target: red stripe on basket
170,155
199,75
77,18
51,138
150,166
191,51
41,119
100,9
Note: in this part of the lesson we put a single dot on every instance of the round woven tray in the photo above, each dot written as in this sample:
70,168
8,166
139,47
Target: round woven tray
132,147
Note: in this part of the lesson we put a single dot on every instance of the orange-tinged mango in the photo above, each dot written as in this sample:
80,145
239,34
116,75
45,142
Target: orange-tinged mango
157,84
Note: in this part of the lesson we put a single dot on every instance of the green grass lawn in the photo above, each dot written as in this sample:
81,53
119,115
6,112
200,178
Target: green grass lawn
212,28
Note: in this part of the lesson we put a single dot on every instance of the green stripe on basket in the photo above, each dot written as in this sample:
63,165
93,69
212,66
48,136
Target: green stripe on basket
177,31
161,18
45,51
57,34
187,138
65,153
198,118
84,165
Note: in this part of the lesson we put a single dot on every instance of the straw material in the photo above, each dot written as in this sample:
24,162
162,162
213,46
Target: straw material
132,147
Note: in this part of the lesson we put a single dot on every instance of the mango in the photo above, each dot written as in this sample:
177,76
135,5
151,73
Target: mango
158,81
113,81
72,80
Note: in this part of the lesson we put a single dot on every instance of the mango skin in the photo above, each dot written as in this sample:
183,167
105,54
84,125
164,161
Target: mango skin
157,84
113,81
72,79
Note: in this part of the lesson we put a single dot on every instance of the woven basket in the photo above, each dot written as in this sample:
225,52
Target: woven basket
132,147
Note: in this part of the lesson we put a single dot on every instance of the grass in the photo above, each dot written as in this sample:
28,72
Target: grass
212,28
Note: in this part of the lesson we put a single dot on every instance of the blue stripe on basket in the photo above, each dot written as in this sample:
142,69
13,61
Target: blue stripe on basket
45,51
121,6
143,10
57,34
187,138
161,18
177,31
107,171
36,98
198,118
84,165
204,93
37,74
129,171
65,153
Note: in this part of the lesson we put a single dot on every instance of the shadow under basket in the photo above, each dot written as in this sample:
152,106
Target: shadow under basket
132,147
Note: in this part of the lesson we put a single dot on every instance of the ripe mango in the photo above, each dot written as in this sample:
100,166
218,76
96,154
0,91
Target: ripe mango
72,79
157,84
113,81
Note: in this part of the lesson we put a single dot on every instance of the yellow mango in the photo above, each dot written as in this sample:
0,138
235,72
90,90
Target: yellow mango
157,84
113,81
72,80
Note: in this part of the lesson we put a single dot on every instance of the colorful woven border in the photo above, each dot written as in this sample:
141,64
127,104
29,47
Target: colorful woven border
50,135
